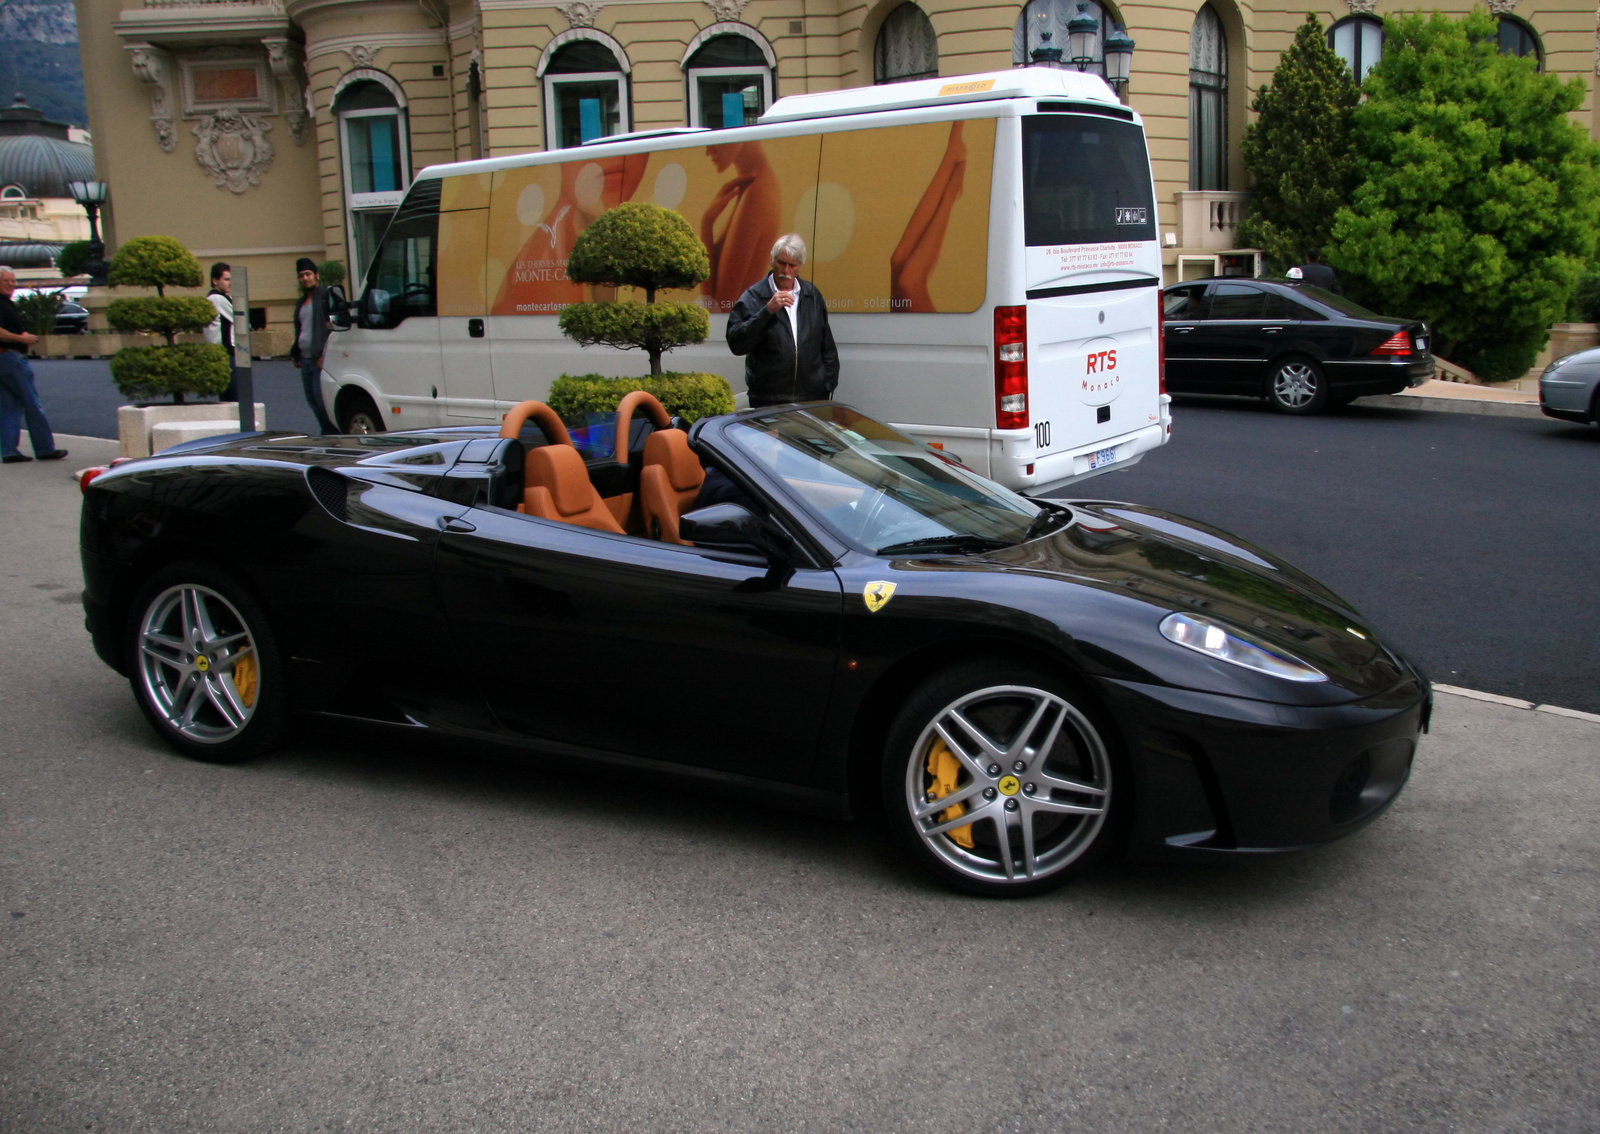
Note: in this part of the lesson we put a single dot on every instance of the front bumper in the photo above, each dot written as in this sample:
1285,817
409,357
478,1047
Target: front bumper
1566,398
1217,774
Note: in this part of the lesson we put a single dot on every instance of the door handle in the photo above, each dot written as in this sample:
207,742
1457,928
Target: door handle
456,524
475,328
1271,330
1180,330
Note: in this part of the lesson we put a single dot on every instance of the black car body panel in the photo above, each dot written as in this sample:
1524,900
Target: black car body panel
406,591
1223,336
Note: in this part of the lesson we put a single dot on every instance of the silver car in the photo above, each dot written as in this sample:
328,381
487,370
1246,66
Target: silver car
1569,388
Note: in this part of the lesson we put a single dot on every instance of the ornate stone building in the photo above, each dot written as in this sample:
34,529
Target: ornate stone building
258,131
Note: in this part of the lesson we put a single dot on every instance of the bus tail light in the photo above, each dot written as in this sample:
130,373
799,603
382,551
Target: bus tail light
1397,343
1011,367
1161,345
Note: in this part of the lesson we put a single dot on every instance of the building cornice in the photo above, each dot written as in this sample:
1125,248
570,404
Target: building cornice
375,42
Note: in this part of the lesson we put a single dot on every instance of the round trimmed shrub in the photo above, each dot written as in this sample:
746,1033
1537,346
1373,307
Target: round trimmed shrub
142,373
154,261
690,395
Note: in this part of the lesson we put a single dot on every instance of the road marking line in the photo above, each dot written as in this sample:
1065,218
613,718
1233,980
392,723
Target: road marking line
1513,702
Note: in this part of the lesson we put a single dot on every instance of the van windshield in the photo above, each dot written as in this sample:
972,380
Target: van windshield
1085,180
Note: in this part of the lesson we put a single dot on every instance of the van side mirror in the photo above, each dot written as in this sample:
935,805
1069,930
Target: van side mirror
735,527
338,309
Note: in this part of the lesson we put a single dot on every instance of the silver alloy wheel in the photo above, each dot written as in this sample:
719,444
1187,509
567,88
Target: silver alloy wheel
363,422
1034,784
1295,384
198,664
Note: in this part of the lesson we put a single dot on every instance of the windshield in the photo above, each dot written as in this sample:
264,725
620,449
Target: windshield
880,489
1085,181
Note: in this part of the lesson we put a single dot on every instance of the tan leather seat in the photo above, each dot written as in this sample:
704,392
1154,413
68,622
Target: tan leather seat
669,483
558,488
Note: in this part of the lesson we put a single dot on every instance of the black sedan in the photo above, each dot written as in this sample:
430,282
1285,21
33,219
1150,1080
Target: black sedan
1301,348
798,604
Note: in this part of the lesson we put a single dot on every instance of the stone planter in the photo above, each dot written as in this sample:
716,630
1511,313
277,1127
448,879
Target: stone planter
142,430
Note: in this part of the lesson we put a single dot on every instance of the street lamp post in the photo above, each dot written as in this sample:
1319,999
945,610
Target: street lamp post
1046,54
91,195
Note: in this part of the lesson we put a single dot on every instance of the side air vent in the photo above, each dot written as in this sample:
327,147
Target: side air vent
331,491
1085,108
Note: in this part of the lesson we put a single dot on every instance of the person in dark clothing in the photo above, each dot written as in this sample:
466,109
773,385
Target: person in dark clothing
1316,273
220,330
780,326
311,328
18,397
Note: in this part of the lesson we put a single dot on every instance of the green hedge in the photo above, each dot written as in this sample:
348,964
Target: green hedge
690,395
163,316
651,327
142,373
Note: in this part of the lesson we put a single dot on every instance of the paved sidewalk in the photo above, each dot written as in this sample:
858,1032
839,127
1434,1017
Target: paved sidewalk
1459,397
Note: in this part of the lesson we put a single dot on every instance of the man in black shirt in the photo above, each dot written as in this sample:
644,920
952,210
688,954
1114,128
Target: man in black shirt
18,398
1316,273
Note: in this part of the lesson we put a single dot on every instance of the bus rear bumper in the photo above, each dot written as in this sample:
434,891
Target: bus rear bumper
1016,465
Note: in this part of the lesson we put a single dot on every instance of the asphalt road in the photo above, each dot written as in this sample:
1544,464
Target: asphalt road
358,935
1469,541
79,397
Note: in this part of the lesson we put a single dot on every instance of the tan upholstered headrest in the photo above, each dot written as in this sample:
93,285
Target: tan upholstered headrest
669,448
560,469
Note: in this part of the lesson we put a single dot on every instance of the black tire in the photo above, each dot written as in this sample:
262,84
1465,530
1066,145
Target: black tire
1072,793
1297,386
205,666
358,415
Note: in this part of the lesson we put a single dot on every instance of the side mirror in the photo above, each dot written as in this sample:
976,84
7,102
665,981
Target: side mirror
733,526
338,309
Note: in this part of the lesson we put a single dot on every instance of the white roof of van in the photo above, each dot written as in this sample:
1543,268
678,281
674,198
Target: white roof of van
1023,82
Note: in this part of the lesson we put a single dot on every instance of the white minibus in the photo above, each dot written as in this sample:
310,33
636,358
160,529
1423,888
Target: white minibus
987,248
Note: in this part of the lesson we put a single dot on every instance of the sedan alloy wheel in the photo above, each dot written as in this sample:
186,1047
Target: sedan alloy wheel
1297,386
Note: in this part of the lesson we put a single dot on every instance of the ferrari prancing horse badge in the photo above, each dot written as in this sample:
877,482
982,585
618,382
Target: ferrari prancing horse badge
877,595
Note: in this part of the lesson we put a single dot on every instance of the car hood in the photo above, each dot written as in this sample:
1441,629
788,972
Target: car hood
1179,564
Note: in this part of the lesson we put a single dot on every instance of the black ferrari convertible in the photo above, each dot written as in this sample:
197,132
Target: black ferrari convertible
796,603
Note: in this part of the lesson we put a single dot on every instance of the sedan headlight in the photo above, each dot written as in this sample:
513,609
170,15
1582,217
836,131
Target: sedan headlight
1220,642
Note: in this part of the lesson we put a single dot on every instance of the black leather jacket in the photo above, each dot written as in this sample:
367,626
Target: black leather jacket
774,370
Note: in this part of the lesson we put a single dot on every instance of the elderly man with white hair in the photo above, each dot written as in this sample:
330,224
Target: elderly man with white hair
18,398
780,326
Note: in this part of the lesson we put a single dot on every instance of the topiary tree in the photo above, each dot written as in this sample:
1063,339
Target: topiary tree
176,369
1480,201
73,259
643,246
1300,150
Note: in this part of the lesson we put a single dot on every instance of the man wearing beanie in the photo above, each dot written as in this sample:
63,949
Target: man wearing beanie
311,328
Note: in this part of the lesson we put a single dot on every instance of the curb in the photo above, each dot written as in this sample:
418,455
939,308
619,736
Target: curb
1514,703
1452,405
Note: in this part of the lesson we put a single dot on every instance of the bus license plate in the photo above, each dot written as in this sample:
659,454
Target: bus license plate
1101,458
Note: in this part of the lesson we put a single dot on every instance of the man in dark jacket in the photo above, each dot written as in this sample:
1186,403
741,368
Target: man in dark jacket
780,326
1316,273
311,328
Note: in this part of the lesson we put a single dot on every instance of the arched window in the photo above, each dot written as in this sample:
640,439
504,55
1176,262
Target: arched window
376,159
1517,38
1359,42
1208,102
730,82
907,47
585,94
1040,16
13,193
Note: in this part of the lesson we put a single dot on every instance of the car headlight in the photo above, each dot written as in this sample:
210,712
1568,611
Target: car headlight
1217,641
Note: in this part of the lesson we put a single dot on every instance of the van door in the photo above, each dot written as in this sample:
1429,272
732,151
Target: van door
466,368
1093,283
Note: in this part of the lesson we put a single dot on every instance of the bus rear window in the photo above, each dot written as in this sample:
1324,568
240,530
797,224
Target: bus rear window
1085,181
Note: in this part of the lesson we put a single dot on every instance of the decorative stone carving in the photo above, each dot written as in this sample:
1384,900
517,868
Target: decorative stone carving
286,67
232,146
150,65
581,13
363,54
726,11
1362,7
1501,7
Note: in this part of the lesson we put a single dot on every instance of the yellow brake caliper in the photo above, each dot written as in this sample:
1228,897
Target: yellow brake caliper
945,770
244,679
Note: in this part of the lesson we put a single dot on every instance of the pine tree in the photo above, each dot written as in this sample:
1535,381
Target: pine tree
1300,150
